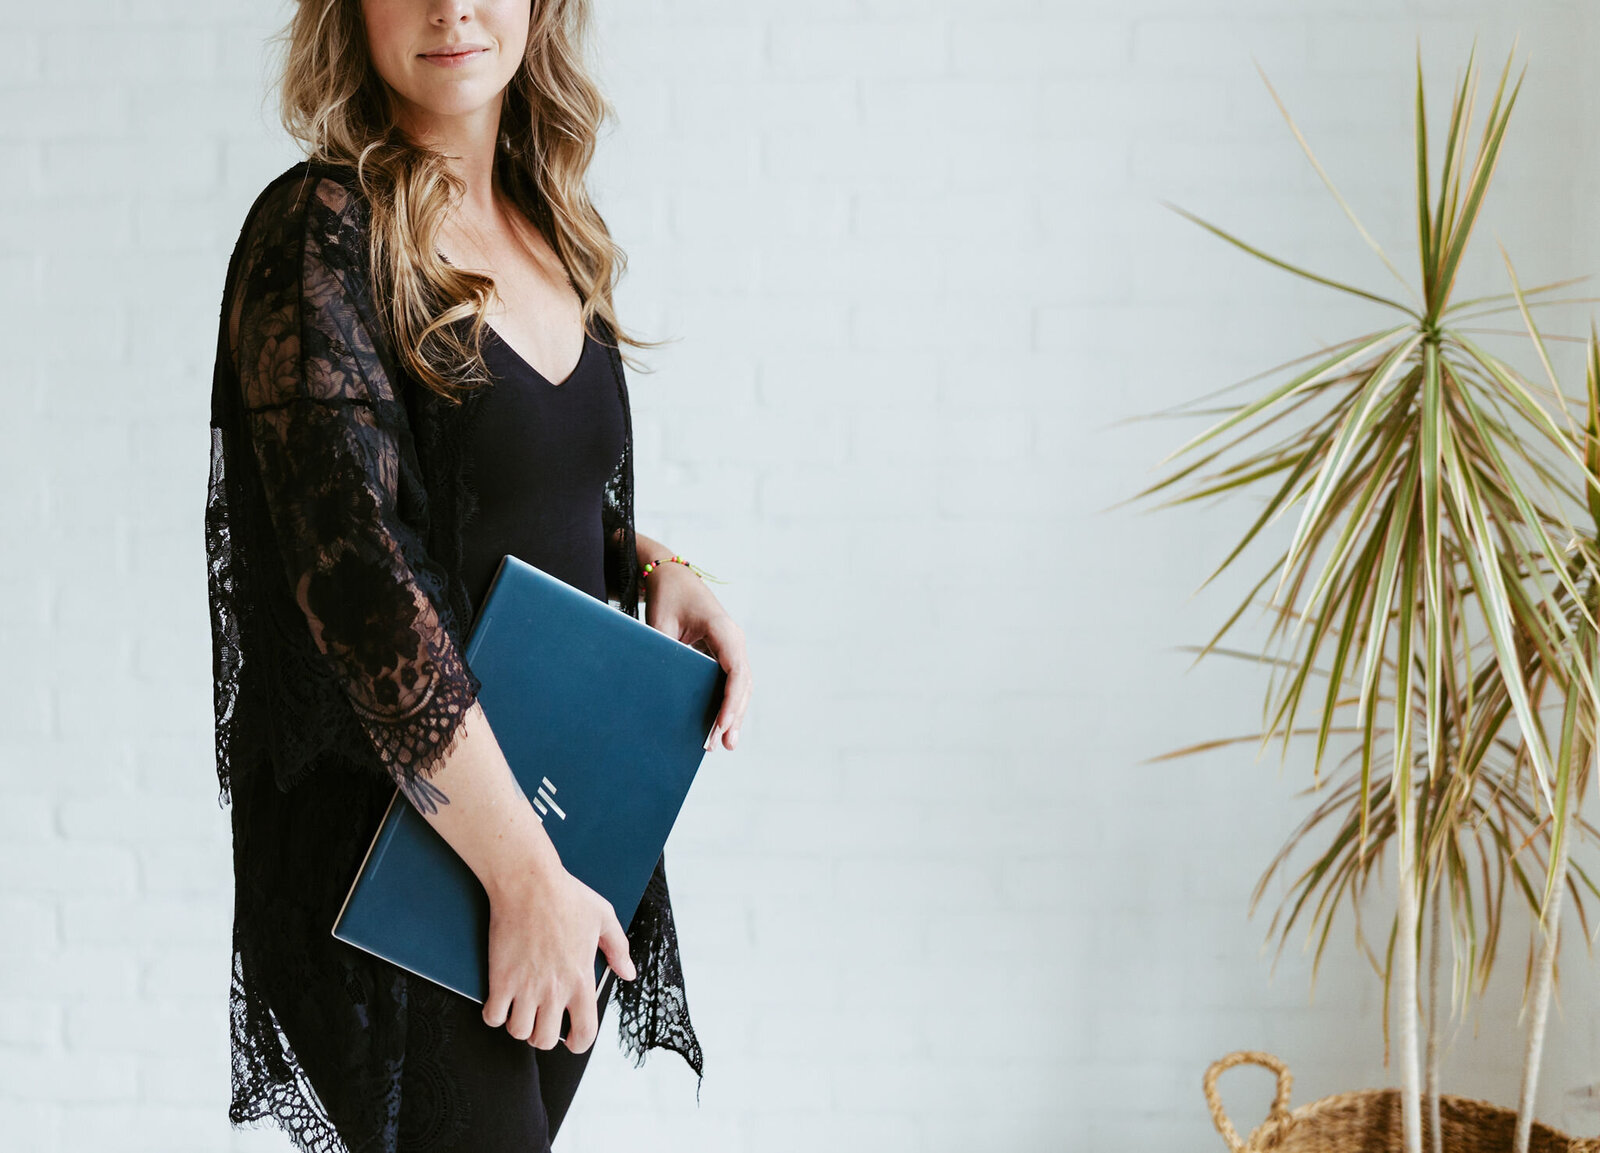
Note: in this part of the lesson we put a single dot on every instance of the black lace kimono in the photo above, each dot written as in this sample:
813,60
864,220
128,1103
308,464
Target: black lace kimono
333,536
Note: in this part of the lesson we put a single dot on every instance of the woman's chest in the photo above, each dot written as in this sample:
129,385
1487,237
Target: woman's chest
535,308
537,442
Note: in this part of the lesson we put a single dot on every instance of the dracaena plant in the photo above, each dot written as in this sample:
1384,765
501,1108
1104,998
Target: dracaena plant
1433,590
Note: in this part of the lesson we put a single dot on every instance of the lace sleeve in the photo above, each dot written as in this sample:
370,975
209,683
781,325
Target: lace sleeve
324,425
616,532
616,509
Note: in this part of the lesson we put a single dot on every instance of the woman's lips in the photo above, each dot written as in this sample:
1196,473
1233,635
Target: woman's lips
455,59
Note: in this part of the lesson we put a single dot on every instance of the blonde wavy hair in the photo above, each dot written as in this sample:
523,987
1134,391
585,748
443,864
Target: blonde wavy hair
337,106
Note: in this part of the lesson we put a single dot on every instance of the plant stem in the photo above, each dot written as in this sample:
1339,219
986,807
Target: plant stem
1541,1005
1543,980
1406,950
1437,1144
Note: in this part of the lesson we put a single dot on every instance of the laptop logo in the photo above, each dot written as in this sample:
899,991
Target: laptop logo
545,800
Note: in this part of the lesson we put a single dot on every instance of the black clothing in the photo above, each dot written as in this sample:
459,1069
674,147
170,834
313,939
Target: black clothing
507,1094
540,455
538,458
338,514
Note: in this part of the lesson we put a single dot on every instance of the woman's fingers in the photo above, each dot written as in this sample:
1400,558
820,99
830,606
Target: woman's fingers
521,1024
726,640
735,701
585,1021
498,1005
614,944
547,1025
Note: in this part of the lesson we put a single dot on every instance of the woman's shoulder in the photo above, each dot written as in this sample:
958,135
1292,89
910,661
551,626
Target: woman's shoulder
311,198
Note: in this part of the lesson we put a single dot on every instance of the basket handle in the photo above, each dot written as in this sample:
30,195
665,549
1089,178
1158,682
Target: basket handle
1280,1101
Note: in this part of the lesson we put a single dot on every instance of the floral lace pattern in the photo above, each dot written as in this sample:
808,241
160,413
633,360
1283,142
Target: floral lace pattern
333,522
312,386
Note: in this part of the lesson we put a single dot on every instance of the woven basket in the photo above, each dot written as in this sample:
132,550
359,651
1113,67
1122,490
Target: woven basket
1368,1121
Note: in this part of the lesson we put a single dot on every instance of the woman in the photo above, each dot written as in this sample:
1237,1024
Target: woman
419,370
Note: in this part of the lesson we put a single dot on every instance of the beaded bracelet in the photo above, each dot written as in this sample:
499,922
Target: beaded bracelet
694,568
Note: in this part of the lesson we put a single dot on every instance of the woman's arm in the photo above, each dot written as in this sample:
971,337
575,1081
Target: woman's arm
680,604
483,812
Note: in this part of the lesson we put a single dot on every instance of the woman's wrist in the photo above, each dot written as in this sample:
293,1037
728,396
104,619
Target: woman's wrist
648,551
655,559
521,852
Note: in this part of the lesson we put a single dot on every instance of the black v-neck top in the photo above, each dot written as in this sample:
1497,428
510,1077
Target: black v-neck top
539,456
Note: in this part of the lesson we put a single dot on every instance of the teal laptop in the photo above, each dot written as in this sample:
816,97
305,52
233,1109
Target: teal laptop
603,720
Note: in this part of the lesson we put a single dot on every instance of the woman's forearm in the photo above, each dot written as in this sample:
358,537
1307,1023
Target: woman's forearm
482,811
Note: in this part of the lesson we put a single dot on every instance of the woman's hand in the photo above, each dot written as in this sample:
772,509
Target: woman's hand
680,604
543,925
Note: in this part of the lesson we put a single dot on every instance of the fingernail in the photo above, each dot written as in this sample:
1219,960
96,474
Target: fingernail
733,737
707,745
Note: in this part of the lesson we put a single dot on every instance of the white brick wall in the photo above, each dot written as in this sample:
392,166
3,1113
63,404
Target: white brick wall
917,263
